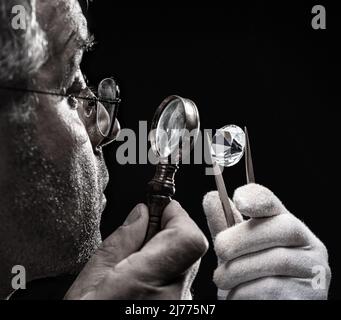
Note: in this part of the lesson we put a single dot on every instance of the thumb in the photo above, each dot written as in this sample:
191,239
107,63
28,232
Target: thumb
129,237
215,214
255,201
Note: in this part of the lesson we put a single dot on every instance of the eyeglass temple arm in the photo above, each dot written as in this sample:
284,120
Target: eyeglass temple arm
52,93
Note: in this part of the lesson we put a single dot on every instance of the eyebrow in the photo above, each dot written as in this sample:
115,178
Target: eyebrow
85,40
80,35
87,43
84,44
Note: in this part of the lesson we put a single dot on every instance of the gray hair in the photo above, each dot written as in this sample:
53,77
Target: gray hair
22,52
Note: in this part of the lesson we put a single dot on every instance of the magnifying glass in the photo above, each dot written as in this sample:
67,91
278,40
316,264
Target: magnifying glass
174,131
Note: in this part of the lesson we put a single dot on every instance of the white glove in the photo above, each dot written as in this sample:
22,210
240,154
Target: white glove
273,255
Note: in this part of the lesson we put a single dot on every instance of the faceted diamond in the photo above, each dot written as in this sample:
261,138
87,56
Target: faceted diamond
228,145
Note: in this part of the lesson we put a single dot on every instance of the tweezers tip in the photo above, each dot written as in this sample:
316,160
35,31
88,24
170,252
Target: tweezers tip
250,176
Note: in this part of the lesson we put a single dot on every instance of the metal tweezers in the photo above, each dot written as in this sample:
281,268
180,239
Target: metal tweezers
250,178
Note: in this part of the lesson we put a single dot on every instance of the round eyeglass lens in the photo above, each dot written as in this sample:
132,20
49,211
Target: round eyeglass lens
170,128
108,91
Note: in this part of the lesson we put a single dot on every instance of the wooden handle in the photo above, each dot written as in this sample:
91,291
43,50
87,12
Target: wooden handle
161,189
156,205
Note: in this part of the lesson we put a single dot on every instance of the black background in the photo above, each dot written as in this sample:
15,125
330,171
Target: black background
255,64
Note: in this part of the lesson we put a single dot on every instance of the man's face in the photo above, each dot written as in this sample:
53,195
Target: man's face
55,174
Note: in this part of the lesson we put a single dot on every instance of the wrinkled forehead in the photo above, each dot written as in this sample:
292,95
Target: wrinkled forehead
59,19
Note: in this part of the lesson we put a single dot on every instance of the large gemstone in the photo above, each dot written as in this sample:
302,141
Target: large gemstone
228,145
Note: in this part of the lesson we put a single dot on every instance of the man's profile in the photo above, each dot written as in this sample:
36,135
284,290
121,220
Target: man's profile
53,177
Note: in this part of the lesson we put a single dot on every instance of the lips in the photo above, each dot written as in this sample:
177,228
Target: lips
103,201
104,177
105,182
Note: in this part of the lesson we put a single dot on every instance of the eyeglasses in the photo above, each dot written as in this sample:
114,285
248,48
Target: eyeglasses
105,104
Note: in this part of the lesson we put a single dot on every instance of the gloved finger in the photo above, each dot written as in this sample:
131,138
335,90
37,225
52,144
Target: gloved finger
254,235
255,201
280,261
171,252
278,288
215,214
128,238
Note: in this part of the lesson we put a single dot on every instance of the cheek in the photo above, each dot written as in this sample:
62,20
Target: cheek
64,142
60,132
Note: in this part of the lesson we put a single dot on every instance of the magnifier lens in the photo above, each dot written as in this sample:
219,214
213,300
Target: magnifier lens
228,145
107,90
170,128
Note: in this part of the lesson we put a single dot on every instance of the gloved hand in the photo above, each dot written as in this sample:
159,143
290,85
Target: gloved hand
164,268
273,255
